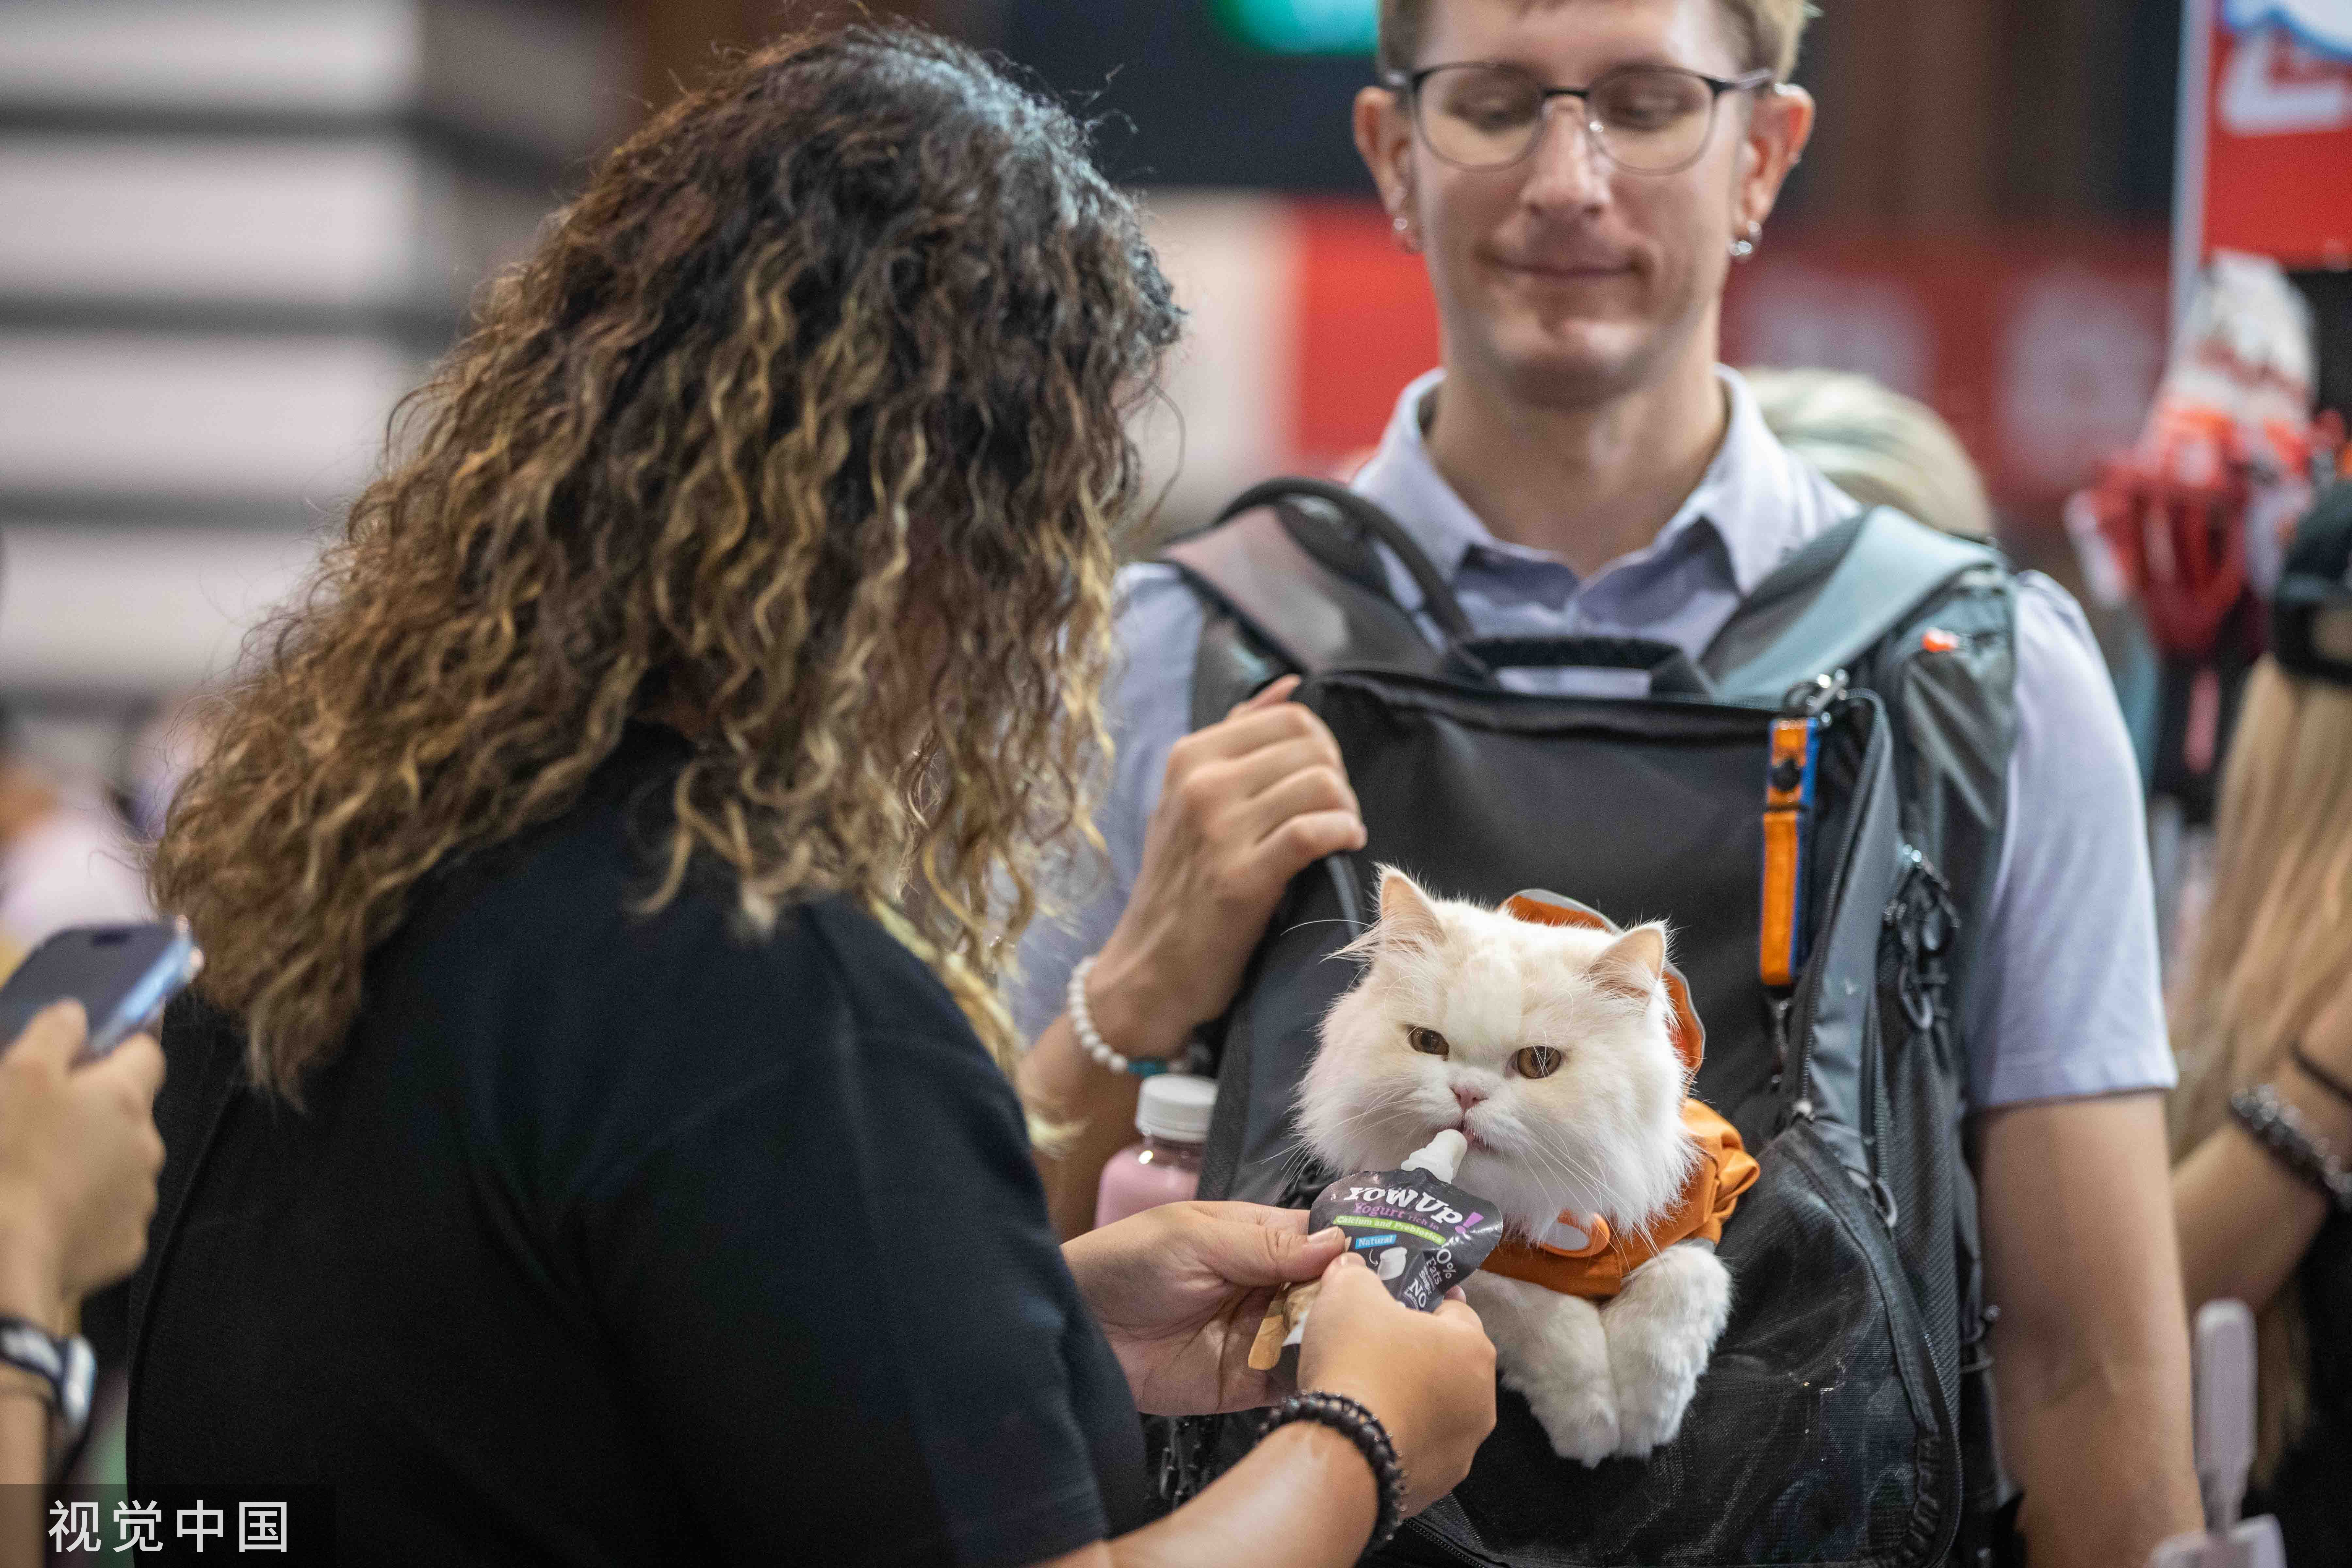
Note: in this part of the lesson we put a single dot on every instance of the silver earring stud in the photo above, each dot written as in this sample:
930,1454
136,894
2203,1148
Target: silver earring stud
1745,246
1402,224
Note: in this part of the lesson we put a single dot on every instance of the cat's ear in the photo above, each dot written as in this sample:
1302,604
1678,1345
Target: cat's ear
1407,918
1632,964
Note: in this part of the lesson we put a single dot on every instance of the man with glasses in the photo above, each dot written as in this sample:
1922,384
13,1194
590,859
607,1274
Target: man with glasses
1580,177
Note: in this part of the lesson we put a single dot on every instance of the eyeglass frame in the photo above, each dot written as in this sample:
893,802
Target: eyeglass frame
1409,83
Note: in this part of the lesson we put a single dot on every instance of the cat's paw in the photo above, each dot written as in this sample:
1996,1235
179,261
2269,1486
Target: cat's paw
1661,1331
1550,1348
1581,1420
1653,1395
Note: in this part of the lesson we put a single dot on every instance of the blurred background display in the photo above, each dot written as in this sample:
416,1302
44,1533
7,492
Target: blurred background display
234,232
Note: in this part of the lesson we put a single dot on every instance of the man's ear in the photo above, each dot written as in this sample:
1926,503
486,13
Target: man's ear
1779,125
1384,140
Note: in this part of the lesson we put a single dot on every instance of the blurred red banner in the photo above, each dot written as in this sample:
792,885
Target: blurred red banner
2266,143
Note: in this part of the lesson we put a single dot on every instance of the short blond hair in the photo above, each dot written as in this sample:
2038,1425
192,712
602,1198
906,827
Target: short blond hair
1876,445
1771,29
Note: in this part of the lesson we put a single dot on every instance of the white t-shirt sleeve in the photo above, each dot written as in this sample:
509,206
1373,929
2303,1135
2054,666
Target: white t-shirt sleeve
1149,705
2065,1000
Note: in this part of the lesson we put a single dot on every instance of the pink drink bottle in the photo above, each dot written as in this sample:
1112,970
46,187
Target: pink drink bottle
1172,1114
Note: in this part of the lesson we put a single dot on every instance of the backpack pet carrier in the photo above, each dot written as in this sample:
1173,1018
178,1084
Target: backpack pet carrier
1815,808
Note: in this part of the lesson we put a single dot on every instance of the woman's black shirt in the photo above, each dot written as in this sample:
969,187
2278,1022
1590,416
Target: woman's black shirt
2312,1492
612,1239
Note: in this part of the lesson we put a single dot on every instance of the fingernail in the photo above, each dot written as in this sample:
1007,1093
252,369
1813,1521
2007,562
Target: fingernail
1329,1233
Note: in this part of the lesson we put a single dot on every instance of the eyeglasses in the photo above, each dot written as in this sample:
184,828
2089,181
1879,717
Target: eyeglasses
1650,120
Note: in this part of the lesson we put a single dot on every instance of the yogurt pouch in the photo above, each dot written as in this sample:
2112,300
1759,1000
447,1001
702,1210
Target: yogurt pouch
1420,1233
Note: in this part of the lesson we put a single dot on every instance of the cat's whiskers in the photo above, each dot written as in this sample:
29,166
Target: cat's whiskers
1378,1112
1328,920
1601,1191
1385,1111
1572,1173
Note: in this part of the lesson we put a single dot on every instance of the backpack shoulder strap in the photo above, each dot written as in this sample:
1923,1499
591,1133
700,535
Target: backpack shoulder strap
1833,601
1292,560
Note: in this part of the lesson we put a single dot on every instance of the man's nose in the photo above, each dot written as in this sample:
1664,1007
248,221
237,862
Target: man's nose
1565,167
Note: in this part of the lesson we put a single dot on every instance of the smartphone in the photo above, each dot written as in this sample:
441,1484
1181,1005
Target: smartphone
121,975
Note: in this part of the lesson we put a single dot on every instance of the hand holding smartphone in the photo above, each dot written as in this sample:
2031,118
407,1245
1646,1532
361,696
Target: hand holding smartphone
121,975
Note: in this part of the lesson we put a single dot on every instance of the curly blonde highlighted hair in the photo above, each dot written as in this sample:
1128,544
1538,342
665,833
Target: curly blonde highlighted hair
804,423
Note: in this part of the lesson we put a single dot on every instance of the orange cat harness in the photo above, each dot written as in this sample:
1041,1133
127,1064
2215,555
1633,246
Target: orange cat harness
1580,1256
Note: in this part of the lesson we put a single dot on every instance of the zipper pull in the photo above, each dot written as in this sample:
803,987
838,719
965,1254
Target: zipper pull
1923,918
1811,698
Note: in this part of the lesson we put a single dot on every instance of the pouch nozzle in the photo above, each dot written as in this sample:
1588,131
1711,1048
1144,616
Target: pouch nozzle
1440,1156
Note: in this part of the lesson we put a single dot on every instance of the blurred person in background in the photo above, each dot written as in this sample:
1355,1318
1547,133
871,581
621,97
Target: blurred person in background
1581,465
2264,1033
65,857
156,759
1877,445
78,1155
592,1143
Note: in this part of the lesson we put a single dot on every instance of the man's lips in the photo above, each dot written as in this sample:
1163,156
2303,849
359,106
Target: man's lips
1567,271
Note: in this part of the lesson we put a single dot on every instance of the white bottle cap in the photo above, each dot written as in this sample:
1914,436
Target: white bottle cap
1440,1156
2225,1407
1176,1106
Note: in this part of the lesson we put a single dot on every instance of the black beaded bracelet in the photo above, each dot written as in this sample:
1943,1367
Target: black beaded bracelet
1362,1427
2276,1125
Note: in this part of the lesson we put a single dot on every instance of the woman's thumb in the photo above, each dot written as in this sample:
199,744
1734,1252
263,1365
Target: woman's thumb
1306,1257
1267,1254
55,1033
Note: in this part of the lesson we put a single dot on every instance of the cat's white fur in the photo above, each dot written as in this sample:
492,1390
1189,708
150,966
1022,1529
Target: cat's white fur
1603,1134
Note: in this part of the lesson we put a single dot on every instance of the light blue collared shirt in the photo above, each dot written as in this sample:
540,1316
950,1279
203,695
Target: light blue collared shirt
2064,1002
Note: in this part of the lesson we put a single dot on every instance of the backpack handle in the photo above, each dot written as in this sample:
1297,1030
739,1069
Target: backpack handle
1671,672
1436,598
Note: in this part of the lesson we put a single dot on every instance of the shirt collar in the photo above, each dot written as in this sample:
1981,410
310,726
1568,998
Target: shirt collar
1749,498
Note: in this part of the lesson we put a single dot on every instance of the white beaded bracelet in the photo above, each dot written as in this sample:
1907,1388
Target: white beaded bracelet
1091,1040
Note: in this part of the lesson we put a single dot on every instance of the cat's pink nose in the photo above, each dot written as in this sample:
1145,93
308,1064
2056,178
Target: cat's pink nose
1468,1098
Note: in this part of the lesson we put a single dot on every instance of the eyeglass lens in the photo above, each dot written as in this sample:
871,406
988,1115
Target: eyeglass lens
1650,118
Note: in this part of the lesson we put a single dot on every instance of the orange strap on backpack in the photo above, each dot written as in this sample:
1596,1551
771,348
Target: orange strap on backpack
1788,809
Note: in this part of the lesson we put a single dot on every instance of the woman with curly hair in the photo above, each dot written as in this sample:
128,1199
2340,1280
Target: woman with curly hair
586,1146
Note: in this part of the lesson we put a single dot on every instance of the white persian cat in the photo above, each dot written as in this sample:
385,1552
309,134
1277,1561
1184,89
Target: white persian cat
1551,1049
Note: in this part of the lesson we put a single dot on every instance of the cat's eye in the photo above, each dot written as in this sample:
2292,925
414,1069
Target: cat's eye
1537,1061
1427,1041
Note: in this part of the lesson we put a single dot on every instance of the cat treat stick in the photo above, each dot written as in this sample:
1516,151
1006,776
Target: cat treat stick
1421,1234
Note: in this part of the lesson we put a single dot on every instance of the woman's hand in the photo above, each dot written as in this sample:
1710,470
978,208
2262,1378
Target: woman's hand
1429,1376
1245,806
1178,1291
79,1155
1304,1496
